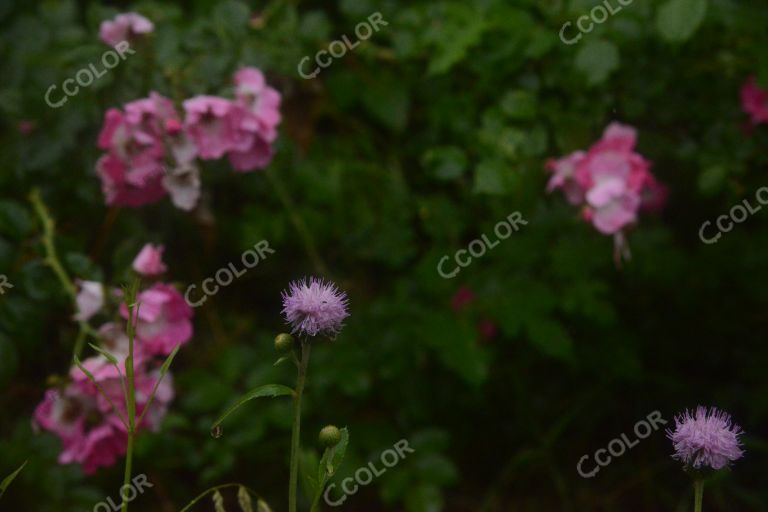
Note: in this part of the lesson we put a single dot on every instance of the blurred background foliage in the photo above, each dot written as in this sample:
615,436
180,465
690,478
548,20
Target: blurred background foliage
404,150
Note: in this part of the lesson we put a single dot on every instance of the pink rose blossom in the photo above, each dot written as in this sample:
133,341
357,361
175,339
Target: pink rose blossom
754,101
124,27
149,261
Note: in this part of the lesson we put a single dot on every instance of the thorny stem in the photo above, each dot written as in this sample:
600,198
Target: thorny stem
698,495
300,380
52,260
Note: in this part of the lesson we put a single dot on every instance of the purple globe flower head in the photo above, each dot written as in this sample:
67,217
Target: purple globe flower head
315,307
707,438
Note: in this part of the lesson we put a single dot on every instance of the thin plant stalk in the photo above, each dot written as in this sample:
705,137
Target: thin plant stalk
52,260
698,495
295,434
133,314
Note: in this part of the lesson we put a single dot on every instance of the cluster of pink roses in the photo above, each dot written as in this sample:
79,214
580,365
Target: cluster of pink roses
151,151
93,434
754,101
611,182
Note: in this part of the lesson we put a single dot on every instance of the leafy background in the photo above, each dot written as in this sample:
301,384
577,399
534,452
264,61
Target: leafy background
404,150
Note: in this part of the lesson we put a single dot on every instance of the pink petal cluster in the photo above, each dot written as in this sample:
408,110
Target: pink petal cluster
610,181
124,28
92,433
707,438
149,261
754,101
152,152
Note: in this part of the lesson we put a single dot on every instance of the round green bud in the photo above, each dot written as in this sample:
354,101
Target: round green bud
283,343
330,436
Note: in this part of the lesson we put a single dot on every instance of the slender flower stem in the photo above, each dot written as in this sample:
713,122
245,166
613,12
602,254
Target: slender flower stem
52,260
300,380
133,315
698,495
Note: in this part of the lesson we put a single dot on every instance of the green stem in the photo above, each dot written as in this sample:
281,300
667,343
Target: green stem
129,376
52,260
300,380
698,495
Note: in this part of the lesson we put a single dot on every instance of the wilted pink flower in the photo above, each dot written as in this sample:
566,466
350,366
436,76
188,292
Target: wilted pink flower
149,261
707,438
314,307
164,319
754,101
210,125
90,300
124,27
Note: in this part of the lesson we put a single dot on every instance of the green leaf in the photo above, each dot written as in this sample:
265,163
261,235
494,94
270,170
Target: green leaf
7,480
339,451
519,104
282,360
446,162
597,59
550,337
677,20
109,357
265,391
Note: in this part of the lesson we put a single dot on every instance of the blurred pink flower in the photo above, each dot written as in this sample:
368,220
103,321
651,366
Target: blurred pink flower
149,261
90,299
124,27
256,114
25,127
563,176
210,125
610,180
164,319
754,101
463,297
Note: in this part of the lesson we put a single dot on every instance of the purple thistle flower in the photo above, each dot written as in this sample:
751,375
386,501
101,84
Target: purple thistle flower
708,438
314,306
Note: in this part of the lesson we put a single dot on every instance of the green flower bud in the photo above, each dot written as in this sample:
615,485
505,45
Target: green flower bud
330,436
283,343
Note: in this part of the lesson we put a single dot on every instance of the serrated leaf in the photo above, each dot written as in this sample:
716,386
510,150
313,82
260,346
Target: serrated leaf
7,480
677,20
265,391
